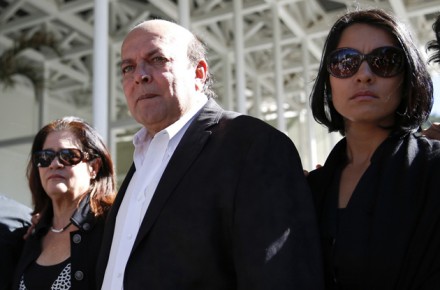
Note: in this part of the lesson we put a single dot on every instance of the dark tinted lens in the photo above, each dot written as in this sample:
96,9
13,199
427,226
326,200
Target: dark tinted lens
67,157
386,61
43,158
344,62
70,156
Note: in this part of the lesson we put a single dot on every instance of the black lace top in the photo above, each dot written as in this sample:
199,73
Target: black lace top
54,277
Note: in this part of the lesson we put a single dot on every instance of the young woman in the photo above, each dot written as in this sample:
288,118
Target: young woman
377,195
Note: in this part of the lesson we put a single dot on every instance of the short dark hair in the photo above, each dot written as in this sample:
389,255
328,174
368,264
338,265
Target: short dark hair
102,190
435,43
417,96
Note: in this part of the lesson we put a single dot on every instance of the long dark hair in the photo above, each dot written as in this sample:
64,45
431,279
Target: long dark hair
417,89
102,189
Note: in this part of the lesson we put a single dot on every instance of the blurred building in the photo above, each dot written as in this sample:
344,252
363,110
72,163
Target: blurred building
263,54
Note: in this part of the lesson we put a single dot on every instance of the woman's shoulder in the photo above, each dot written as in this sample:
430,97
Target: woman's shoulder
421,145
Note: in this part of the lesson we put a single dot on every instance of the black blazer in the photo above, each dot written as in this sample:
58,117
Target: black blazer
84,247
231,211
395,208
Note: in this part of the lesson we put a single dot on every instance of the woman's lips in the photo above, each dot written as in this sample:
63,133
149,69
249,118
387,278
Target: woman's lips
364,95
56,176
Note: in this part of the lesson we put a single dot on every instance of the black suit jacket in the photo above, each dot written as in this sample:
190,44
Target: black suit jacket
231,211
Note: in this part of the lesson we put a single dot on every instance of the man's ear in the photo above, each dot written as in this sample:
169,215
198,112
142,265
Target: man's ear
201,74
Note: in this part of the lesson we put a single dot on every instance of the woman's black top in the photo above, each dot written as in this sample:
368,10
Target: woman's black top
47,277
388,236
84,245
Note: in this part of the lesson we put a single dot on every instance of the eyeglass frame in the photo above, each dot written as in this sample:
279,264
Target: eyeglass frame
83,156
368,58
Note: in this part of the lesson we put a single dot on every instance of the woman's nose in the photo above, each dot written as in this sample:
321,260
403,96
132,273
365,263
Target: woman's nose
364,73
56,163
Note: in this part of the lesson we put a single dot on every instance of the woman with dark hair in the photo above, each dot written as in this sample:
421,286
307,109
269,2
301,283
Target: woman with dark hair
71,178
377,195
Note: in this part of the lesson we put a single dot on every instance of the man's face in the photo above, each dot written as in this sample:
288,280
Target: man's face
158,79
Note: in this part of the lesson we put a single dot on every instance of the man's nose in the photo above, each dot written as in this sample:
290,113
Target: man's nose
143,75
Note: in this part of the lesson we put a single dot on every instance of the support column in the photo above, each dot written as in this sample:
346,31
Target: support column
279,82
184,13
310,120
240,77
228,94
41,93
257,98
100,69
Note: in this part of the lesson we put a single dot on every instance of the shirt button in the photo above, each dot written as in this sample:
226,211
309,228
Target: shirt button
119,275
76,238
129,236
79,275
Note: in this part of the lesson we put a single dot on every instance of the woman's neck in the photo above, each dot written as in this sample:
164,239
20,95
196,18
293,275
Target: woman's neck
362,142
62,212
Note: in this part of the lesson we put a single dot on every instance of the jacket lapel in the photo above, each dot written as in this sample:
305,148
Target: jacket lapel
111,219
186,152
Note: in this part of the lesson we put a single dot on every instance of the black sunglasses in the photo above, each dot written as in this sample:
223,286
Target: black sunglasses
67,157
386,62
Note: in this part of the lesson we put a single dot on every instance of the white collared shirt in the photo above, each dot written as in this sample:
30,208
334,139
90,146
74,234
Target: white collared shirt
151,156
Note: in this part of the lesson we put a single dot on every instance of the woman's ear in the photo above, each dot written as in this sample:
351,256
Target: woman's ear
201,74
95,165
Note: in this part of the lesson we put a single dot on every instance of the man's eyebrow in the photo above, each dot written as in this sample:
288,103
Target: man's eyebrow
147,55
124,62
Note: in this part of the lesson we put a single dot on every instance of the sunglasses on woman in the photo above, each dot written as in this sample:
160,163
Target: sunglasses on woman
386,62
67,157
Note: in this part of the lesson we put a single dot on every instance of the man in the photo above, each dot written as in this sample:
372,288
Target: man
14,219
214,199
